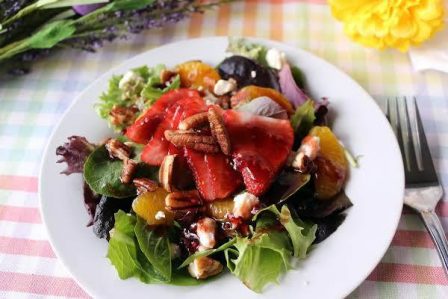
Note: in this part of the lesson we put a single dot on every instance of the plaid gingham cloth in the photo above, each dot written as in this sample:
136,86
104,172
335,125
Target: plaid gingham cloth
30,107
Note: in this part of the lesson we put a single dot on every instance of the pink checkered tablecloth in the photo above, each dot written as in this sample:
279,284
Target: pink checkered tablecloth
30,107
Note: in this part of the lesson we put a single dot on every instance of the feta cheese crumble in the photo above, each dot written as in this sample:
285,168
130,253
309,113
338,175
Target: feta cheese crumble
275,58
223,87
243,204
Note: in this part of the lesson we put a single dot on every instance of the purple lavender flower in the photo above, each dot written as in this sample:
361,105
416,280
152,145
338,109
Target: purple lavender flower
86,9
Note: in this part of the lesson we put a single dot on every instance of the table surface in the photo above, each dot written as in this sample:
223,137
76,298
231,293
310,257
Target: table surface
31,106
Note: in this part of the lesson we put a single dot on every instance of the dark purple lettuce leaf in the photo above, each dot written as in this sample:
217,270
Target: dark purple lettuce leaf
104,215
326,226
310,207
289,87
74,153
321,111
91,200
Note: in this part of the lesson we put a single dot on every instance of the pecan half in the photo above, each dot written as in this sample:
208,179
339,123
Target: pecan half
118,149
194,121
166,76
145,185
175,174
166,173
193,140
219,130
183,200
203,267
129,168
123,116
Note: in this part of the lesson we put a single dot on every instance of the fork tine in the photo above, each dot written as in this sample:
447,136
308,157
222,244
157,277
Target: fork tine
415,132
406,136
428,174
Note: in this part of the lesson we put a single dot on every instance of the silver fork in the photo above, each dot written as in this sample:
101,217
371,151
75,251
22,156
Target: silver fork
423,190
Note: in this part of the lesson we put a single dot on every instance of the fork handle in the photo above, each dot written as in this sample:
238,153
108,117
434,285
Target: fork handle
437,233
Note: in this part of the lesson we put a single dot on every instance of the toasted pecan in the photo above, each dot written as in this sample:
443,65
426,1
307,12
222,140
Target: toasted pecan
179,200
144,185
194,121
117,149
129,168
193,140
219,130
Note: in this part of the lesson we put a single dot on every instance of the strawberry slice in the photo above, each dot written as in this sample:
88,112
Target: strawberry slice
260,147
158,147
213,174
146,125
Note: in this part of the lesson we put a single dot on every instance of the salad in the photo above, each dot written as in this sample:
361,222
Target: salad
212,169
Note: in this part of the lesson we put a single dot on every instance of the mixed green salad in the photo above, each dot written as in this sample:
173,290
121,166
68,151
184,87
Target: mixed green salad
212,169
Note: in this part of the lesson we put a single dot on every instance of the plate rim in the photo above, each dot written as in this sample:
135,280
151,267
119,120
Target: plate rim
276,43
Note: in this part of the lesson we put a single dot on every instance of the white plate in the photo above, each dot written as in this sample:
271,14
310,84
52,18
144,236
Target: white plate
333,269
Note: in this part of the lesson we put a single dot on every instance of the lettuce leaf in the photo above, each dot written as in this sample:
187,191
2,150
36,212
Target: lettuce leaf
102,174
151,92
302,234
125,254
156,248
136,251
141,96
207,252
260,260
302,120
242,47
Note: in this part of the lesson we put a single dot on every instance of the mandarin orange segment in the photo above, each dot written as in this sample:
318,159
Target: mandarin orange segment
248,93
151,207
218,209
331,163
196,74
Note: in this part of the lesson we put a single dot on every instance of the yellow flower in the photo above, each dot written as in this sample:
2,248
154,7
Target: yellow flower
389,23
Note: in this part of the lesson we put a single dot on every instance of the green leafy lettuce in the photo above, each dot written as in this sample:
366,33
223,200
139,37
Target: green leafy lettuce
124,252
264,257
242,47
207,252
302,234
140,93
260,260
155,247
303,118
102,174
136,250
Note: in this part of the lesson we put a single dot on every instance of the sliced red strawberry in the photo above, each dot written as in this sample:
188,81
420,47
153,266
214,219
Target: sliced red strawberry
213,174
158,147
260,147
145,126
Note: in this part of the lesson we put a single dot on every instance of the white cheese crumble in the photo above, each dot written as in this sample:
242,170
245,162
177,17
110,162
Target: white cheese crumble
193,269
129,78
275,58
160,215
224,86
310,147
243,204
206,228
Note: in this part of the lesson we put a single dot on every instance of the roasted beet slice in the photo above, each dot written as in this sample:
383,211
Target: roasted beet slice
248,72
